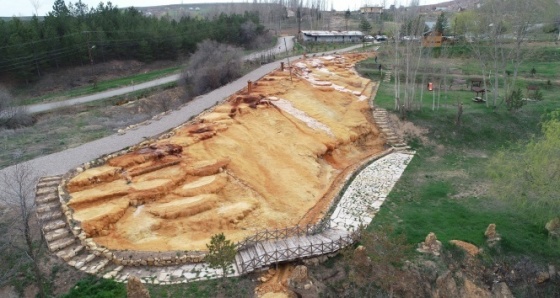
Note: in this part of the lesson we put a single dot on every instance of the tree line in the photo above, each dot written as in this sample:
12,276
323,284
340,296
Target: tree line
75,34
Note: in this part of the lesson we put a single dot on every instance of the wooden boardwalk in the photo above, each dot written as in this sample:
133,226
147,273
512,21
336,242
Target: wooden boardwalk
264,253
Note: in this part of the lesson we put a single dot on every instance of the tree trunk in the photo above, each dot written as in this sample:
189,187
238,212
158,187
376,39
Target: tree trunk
459,114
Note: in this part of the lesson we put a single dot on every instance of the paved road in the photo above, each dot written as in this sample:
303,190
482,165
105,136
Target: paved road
62,162
280,47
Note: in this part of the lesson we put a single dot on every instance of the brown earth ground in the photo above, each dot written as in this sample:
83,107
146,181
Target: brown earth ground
264,159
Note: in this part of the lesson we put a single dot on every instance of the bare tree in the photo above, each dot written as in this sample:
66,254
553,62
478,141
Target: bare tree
211,66
36,4
501,32
11,115
408,56
22,234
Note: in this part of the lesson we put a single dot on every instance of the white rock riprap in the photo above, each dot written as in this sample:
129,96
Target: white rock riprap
313,123
367,192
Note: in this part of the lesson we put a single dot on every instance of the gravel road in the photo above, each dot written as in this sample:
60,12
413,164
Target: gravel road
62,162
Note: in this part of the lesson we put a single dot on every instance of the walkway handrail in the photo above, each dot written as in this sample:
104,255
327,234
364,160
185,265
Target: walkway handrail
283,233
293,253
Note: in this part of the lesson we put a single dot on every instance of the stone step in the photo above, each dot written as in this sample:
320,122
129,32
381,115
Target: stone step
50,178
46,199
51,183
112,271
61,244
81,260
96,265
48,216
122,276
397,145
57,234
46,190
53,225
48,207
70,252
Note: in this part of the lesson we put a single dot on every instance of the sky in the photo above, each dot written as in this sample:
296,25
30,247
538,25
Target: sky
9,8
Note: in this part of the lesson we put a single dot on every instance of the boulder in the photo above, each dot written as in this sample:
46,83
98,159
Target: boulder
135,288
430,245
542,277
553,227
552,272
501,290
471,249
470,289
446,286
298,277
492,237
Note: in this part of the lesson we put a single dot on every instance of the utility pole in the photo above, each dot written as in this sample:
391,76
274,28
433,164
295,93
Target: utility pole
89,47
289,66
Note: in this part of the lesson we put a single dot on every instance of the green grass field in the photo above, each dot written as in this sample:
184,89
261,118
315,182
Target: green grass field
102,86
444,188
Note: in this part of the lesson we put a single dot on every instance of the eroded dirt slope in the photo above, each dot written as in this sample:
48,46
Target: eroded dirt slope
262,159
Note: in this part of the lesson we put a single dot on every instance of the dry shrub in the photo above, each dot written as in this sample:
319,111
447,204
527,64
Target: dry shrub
408,130
380,264
12,116
211,66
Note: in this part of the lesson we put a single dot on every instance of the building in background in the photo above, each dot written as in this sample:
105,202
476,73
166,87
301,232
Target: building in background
331,36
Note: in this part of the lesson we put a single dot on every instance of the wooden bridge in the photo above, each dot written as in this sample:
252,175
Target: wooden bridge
273,246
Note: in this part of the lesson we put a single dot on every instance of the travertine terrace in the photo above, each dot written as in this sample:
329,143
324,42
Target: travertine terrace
266,157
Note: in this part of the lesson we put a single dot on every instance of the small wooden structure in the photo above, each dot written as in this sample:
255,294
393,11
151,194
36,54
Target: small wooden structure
532,89
432,39
331,36
476,86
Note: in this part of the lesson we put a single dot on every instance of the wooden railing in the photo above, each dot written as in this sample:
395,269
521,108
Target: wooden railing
277,234
293,253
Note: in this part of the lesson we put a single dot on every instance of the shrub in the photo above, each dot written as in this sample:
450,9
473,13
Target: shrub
211,66
12,116
95,287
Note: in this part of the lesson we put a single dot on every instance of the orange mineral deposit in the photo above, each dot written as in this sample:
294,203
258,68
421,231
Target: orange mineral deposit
268,158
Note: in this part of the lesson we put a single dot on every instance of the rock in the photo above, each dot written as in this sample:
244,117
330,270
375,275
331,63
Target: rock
542,277
298,277
492,237
299,274
446,286
501,290
491,231
311,262
552,272
430,245
471,249
553,227
135,288
429,269
470,289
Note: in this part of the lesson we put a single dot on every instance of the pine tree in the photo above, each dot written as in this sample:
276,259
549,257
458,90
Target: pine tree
221,253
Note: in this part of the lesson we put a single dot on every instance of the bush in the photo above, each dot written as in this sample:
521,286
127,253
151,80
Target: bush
515,101
12,116
211,66
94,287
